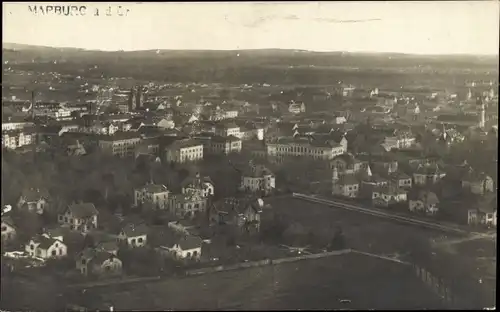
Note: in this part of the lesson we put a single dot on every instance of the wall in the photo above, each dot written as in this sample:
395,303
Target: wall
264,262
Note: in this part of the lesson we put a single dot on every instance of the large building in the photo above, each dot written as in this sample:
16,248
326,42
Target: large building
121,144
226,129
258,178
224,145
189,204
306,147
13,139
185,150
16,123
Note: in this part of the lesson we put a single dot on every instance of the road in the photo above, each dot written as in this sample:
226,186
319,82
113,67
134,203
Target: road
472,237
382,214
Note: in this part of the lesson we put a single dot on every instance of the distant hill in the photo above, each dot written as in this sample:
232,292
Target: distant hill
256,52
246,66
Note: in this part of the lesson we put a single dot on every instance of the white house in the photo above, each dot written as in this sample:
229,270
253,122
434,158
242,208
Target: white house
424,201
80,217
188,247
134,235
8,229
387,196
155,194
45,247
33,200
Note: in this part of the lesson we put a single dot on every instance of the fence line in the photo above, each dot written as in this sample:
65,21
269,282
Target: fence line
436,284
266,262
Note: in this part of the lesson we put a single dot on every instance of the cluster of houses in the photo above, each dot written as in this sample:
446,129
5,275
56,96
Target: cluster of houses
182,240
379,165
385,183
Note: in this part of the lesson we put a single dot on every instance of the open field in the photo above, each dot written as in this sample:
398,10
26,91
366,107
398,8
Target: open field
314,284
362,232
472,267
462,264
31,294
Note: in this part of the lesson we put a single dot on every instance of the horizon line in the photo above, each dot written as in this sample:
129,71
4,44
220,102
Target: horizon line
256,49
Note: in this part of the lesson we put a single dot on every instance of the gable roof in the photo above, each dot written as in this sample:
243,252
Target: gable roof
348,179
132,230
8,220
348,158
196,181
155,188
44,241
488,203
427,197
33,195
189,242
83,210
101,256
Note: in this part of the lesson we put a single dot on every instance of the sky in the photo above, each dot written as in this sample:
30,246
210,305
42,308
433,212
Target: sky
432,27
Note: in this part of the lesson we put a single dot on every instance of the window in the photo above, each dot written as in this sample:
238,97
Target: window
188,255
32,247
132,241
84,261
4,228
140,240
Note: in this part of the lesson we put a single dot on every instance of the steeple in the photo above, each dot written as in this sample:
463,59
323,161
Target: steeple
368,171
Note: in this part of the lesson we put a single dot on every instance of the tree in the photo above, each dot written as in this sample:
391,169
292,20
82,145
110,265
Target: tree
29,224
338,241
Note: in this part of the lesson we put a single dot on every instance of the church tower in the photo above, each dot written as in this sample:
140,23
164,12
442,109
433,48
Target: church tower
33,104
482,112
131,100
